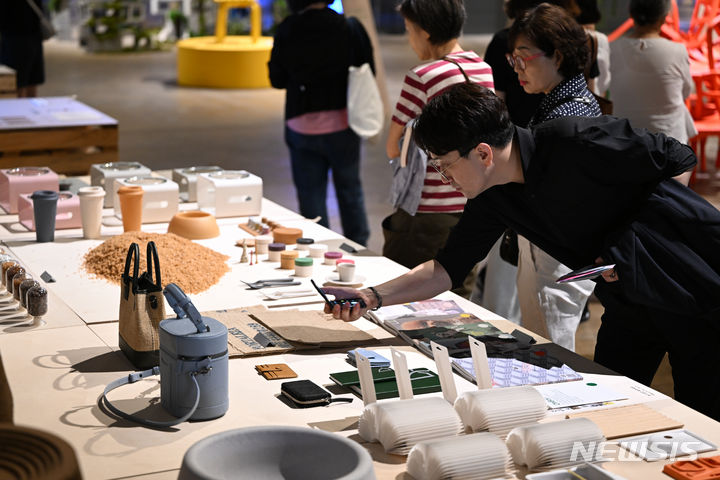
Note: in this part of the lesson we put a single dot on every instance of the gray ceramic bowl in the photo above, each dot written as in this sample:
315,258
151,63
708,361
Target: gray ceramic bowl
276,452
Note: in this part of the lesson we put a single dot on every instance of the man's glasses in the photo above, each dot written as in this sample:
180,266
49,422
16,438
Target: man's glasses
435,163
521,62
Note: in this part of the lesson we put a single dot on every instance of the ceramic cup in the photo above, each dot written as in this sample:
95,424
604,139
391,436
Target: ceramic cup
91,206
261,244
45,211
131,202
346,272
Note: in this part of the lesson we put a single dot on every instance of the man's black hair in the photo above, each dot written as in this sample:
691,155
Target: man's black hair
462,117
442,19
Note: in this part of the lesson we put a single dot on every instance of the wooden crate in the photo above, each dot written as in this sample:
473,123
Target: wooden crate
68,150
58,132
8,82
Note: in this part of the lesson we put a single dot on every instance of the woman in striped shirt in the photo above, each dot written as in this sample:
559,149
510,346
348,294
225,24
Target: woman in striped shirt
433,27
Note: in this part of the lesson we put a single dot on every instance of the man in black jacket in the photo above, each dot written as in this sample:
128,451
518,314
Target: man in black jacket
587,191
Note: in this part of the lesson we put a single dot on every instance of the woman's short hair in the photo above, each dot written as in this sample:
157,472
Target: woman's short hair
551,28
460,118
443,20
299,5
648,12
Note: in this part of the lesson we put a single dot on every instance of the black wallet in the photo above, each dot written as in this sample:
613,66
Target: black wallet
305,394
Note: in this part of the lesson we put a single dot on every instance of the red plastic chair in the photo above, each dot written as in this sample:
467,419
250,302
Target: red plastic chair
706,114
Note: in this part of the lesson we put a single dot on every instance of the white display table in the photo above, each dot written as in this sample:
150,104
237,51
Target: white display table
58,370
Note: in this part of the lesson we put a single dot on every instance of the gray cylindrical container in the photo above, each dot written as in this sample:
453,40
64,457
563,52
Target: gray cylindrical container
44,211
183,352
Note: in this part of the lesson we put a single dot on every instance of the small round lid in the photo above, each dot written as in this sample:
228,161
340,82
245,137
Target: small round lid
303,262
130,190
289,254
304,241
44,195
276,247
344,260
333,255
91,192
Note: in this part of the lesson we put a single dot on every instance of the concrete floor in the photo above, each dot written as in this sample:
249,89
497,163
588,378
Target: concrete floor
166,126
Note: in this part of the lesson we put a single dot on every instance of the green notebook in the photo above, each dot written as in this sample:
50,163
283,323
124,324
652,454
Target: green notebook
421,379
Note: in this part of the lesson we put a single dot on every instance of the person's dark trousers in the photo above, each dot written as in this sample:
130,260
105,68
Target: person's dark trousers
633,339
311,157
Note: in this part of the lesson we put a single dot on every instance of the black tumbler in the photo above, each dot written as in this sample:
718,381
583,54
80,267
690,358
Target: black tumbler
45,210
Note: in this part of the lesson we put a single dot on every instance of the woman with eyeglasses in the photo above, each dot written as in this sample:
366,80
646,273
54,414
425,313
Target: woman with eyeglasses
495,283
549,53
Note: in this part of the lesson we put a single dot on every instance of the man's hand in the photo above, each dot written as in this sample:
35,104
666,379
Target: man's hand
345,312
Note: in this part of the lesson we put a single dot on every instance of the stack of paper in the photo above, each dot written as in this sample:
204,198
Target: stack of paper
500,410
399,425
551,445
480,455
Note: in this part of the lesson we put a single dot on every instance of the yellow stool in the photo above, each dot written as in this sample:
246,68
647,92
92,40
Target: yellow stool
222,61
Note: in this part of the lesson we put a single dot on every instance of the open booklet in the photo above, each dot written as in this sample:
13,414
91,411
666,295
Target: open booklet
427,308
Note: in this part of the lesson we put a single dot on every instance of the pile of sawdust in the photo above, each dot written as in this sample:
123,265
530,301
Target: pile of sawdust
191,266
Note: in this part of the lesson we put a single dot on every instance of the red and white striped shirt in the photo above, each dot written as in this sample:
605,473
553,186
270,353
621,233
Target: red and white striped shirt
421,84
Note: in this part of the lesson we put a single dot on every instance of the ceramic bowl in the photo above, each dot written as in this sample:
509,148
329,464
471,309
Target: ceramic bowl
277,452
194,225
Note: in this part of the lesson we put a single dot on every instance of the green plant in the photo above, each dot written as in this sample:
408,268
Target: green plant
106,20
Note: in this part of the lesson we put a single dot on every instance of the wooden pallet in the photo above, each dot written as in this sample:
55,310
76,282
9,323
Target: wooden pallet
68,150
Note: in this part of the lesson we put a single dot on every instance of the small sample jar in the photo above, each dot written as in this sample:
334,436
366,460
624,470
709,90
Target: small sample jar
288,236
274,250
37,303
287,259
344,260
16,281
331,257
303,267
304,243
261,244
24,287
11,272
317,250
6,265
